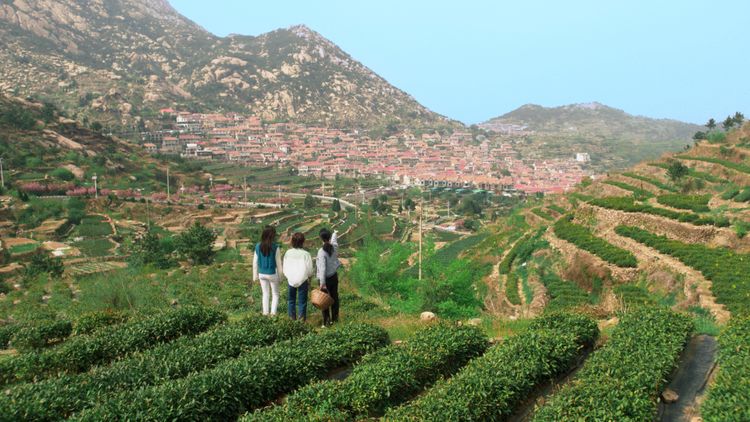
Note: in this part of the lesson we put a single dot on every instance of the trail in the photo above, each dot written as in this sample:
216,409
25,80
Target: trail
689,380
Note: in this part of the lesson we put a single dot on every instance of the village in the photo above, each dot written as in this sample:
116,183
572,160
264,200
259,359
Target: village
457,160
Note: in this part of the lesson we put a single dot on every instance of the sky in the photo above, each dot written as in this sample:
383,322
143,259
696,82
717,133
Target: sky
472,60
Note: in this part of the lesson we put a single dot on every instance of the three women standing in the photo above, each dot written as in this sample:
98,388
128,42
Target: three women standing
267,268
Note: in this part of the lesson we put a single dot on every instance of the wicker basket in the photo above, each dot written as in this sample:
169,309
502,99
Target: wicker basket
321,299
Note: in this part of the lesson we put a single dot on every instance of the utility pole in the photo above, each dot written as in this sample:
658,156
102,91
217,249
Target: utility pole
244,187
421,205
96,188
2,174
168,183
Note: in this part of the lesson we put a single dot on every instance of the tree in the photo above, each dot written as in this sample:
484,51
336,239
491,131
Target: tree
48,112
151,249
97,127
76,210
42,263
470,206
196,244
738,118
699,136
677,170
728,123
336,206
711,124
63,174
409,204
309,202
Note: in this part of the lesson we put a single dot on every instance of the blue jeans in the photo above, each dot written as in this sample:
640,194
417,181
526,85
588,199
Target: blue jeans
297,301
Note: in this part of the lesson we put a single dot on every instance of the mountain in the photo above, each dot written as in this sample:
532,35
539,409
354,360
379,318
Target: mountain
613,138
126,58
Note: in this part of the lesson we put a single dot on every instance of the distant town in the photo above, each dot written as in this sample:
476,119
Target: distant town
457,160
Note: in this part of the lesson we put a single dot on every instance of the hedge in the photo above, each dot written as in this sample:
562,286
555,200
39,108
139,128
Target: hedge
693,172
726,269
93,321
80,353
659,184
556,208
695,203
729,397
491,387
563,294
384,379
40,334
627,204
637,192
6,333
581,237
622,380
60,397
743,168
511,289
542,214
742,196
245,383
522,249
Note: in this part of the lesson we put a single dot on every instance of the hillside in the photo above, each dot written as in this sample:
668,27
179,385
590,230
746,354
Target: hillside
613,138
119,60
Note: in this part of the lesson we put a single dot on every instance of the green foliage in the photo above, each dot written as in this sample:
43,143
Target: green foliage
741,228
726,269
80,353
62,396
676,170
729,397
511,289
492,386
716,137
7,332
656,182
383,379
695,203
638,193
558,209
743,196
196,244
38,211
622,380
628,205
731,192
17,117
539,212
63,174
76,210
581,237
692,172
522,250
42,263
153,250
247,382
743,168
94,321
633,295
309,202
563,294
40,334
94,226
336,206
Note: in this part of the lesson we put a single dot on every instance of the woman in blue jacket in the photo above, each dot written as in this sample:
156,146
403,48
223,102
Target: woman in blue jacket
267,269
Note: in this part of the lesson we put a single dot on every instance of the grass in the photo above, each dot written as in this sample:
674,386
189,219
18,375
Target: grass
659,184
23,248
94,247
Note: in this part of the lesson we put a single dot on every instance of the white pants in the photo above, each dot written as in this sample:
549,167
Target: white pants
269,284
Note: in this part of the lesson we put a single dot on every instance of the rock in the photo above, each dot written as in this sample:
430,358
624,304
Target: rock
669,396
174,302
398,342
427,316
475,322
608,323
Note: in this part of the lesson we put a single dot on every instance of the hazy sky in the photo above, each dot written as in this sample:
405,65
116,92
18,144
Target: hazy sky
473,59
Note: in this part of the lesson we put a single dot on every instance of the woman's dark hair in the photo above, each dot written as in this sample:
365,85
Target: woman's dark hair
298,240
266,240
325,236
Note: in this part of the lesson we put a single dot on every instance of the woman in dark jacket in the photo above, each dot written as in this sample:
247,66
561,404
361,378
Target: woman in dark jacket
328,265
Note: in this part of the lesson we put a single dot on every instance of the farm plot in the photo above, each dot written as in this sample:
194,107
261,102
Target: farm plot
729,397
94,268
626,204
583,238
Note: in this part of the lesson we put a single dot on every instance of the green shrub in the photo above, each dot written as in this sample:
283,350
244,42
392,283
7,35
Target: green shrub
556,208
628,205
622,380
80,353
93,321
543,215
730,193
563,294
742,196
726,269
196,244
522,249
511,289
60,397
492,386
696,203
633,295
743,168
638,193
581,237
6,333
62,174
40,334
42,263
245,383
659,184
385,378
729,396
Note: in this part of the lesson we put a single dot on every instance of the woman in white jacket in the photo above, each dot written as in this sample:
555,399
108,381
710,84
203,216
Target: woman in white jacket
267,269
298,268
